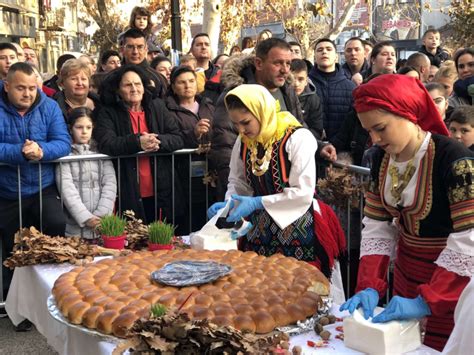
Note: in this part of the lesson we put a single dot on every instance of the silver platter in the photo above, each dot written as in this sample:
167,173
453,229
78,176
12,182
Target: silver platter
56,314
308,325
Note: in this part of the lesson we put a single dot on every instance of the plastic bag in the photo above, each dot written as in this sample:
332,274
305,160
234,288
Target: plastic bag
210,237
189,272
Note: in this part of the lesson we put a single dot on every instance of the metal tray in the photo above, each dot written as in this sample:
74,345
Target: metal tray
308,325
56,314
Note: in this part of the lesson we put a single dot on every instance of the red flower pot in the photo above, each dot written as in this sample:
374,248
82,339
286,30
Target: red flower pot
114,242
153,246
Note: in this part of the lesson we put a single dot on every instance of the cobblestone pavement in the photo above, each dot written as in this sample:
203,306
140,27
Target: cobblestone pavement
26,343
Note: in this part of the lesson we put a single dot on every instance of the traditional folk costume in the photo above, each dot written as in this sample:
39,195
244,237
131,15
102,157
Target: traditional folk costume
280,166
432,237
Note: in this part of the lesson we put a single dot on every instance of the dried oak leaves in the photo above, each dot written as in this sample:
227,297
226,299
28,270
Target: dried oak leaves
175,333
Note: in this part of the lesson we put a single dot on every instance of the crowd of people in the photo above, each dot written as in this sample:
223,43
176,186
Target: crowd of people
268,115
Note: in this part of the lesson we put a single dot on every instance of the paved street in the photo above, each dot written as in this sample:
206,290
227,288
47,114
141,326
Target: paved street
27,343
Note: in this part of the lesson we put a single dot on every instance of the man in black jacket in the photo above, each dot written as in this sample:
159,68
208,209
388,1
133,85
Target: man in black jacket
134,51
332,86
201,50
270,67
354,55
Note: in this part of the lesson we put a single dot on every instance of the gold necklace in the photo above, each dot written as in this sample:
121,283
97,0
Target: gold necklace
400,181
260,166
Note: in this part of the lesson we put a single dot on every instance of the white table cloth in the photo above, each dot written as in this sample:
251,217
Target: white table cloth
31,287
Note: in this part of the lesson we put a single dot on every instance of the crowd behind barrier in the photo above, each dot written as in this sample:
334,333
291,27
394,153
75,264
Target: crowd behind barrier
350,218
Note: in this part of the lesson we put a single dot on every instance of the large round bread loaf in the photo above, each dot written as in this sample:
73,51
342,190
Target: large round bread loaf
260,294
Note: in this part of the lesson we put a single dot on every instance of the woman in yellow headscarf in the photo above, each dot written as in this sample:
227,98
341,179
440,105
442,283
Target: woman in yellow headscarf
272,182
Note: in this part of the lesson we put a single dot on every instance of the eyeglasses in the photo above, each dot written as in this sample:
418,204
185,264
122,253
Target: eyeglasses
131,47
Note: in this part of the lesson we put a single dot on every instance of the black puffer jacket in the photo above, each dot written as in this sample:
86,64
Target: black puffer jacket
237,71
114,135
335,92
438,58
312,110
351,138
187,120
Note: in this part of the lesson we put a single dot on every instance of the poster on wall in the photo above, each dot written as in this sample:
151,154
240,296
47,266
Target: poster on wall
360,18
398,21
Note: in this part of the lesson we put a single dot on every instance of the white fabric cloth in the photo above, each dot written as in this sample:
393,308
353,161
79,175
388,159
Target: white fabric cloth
31,287
27,299
380,238
294,201
461,340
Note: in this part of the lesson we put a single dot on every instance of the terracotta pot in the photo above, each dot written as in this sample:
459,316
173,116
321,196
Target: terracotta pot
153,246
114,242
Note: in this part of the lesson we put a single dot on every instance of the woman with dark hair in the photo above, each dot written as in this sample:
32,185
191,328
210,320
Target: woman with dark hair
132,122
220,60
409,71
383,59
163,66
192,112
464,61
235,50
247,42
419,209
109,60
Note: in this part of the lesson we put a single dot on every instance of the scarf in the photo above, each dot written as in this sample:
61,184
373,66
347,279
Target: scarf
402,96
273,122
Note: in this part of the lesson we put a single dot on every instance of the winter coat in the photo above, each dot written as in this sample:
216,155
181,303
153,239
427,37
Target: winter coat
88,188
348,73
115,137
187,120
436,59
463,93
239,70
351,138
312,110
209,83
44,124
60,98
53,83
335,91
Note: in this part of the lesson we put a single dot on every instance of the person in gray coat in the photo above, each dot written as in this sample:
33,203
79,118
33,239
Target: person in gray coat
88,187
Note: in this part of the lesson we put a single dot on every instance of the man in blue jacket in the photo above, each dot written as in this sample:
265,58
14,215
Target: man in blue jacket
332,86
32,129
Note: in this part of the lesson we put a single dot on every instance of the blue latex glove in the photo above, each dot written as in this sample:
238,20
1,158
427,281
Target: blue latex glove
247,205
401,308
211,212
367,299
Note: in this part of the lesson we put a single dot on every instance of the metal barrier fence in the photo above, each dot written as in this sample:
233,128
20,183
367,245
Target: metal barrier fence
196,171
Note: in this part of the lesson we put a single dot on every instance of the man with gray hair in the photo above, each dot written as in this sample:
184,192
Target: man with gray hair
421,63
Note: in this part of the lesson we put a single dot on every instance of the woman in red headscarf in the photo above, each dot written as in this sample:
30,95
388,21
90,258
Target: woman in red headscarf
423,181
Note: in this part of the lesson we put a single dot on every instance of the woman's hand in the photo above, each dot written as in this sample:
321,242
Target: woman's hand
202,127
149,142
211,212
401,308
247,205
367,299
